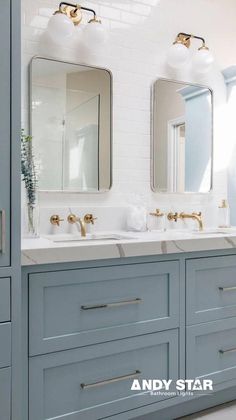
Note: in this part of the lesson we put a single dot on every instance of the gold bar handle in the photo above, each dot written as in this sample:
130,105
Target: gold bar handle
3,231
111,381
227,289
111,305
227,351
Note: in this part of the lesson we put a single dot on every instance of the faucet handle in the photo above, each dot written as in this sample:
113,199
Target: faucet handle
55,219
88,218
157,213
72,218
173,216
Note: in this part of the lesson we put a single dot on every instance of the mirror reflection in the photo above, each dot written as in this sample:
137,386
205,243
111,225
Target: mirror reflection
181,137
71,125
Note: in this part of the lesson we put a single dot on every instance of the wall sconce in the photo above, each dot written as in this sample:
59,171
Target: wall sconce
62,25
179,54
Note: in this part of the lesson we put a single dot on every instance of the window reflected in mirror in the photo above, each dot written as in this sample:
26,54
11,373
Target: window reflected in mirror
182,131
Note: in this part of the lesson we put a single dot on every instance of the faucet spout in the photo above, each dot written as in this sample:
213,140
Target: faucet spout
193,216
72,219
83,221
82,226
198,217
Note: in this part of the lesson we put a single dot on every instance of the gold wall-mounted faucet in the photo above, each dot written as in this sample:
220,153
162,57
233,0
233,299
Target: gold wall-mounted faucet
193,216
72,218
88,218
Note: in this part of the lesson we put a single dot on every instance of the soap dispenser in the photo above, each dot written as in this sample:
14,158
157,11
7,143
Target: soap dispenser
223,215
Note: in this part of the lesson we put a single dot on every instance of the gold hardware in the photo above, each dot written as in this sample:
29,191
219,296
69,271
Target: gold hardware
203,47
72,218
55,219
88,218
75,16
111,305
112,380
95,20
74,12
173,216
157,213
185,39
194,216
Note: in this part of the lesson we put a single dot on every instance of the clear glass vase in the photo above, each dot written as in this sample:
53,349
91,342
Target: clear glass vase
32,221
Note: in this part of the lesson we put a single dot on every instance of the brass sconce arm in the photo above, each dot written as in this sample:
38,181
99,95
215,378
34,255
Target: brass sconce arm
184,38
75,9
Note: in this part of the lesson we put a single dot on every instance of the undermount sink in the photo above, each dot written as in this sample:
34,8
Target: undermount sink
89,237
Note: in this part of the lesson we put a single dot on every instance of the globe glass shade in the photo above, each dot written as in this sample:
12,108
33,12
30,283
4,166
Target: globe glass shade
60,28
94,34
202,61
178,56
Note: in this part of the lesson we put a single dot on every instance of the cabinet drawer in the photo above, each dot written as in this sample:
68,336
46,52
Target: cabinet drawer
211,350
5,295
74,308
5,393
211,289
5,345
95,382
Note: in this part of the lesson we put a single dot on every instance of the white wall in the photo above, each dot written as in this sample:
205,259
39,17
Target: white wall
140,32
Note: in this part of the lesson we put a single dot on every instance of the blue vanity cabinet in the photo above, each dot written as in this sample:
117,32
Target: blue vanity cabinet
5,132
74,308
94,327
103,326
5,299
211,351
5,349
211,318
5,394
94,382
210,289
10,178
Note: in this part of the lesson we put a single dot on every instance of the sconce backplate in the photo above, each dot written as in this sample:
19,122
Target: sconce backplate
75,16
183,39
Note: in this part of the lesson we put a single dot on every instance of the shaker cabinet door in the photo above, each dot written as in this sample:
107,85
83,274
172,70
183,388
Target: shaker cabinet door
5,132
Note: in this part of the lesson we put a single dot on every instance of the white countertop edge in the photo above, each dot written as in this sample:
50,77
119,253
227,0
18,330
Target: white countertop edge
43,251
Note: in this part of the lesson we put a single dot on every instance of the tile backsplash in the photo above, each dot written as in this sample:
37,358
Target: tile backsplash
139,34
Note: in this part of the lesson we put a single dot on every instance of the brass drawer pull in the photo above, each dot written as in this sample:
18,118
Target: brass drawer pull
111,305
3,231
112,380
227,289
227,351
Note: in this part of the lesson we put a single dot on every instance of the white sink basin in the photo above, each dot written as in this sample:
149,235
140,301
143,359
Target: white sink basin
89,237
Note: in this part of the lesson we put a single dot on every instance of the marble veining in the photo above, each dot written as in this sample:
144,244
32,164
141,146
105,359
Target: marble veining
45,251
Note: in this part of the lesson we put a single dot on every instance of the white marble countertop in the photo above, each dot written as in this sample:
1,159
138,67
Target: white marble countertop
46,251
